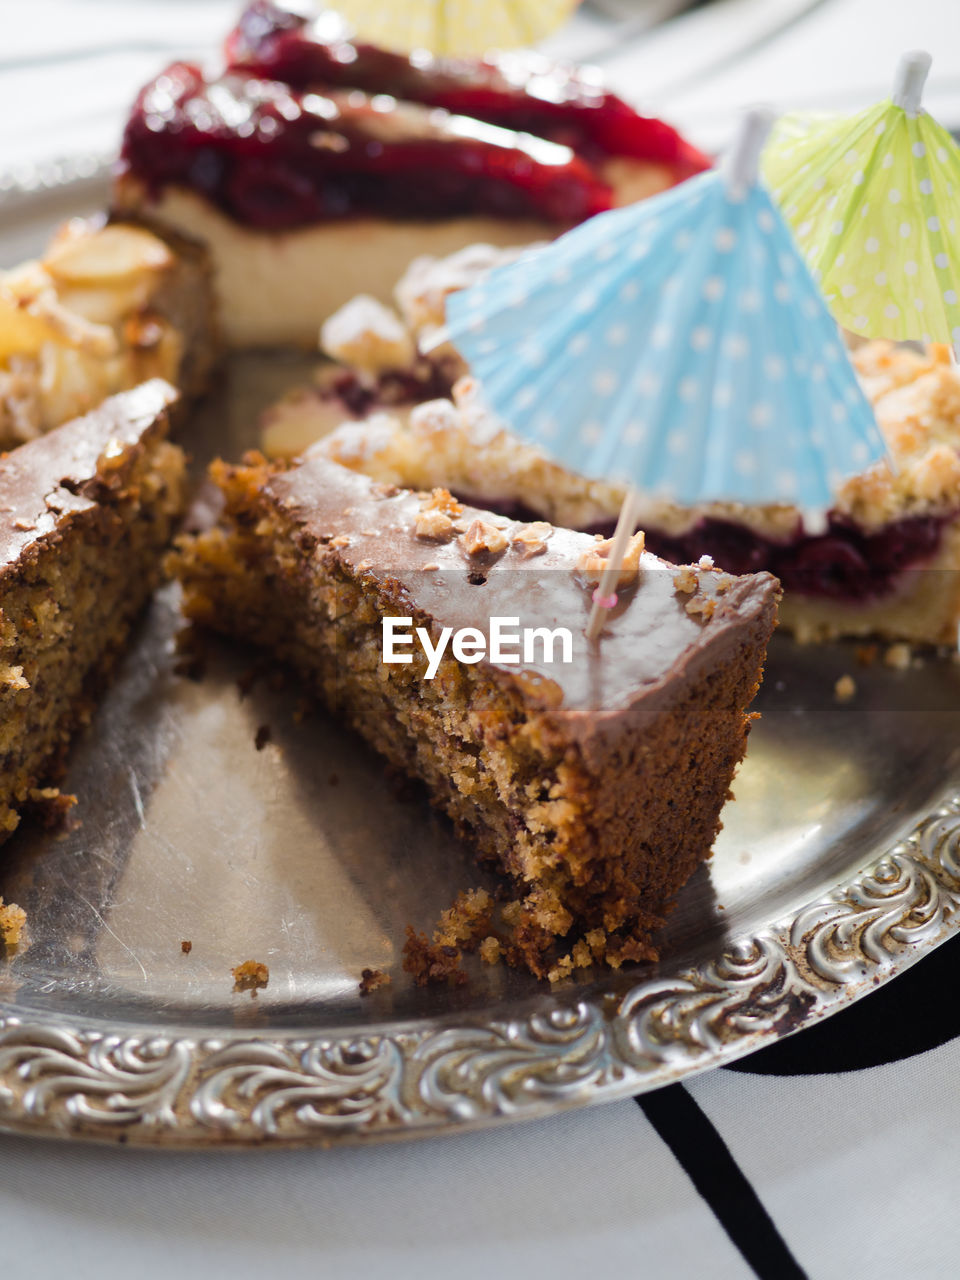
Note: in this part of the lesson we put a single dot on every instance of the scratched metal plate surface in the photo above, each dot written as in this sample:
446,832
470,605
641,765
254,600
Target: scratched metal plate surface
838,866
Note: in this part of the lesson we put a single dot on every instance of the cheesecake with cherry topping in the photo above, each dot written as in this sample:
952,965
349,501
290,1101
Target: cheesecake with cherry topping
316,168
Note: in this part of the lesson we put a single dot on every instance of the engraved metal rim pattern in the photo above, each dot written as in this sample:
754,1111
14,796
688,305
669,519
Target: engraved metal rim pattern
78,1081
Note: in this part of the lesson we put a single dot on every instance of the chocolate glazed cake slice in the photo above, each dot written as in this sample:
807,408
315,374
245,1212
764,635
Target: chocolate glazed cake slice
594,785
86,512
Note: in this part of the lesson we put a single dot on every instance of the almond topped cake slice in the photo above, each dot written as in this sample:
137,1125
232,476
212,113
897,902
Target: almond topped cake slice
886,564
86,512
104,309
590,775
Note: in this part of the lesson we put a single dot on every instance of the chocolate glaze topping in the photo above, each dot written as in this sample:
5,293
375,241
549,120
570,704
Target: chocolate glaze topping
651,640
47,480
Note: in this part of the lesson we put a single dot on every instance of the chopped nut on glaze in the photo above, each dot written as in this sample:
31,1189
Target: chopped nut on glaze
532,538
434,524
594,561
701,605
435,519
686,580
482,536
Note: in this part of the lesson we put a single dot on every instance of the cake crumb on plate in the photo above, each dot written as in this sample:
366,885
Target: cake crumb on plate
898,656
372,979
845,689
250,976
12,920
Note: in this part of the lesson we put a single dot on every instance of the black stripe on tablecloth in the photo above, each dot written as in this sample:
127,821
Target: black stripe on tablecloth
708,1163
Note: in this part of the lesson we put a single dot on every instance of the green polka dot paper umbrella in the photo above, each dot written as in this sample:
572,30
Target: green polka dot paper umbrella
873,201
457,27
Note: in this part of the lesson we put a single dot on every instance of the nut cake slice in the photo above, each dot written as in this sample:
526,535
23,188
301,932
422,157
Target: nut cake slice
85,514
595,785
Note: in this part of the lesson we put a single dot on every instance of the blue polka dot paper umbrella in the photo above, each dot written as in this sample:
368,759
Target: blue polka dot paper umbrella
680,346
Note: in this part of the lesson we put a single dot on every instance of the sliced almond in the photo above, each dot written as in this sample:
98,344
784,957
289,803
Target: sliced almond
111,254
21,332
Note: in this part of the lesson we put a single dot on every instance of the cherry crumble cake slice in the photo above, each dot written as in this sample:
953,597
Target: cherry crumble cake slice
887,564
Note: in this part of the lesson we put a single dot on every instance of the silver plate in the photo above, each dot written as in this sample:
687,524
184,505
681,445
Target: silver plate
838,867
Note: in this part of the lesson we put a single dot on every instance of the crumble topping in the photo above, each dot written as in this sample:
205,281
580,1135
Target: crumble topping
369,336
422,291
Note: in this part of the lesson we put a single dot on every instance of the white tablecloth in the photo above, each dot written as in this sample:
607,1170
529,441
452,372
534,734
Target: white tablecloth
766,1171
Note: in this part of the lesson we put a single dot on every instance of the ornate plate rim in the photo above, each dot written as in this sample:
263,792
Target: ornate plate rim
69,1078
64,1080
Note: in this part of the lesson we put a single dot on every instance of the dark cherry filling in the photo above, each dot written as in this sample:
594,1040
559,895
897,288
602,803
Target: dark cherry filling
844,563
391,388
519,91
278,158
